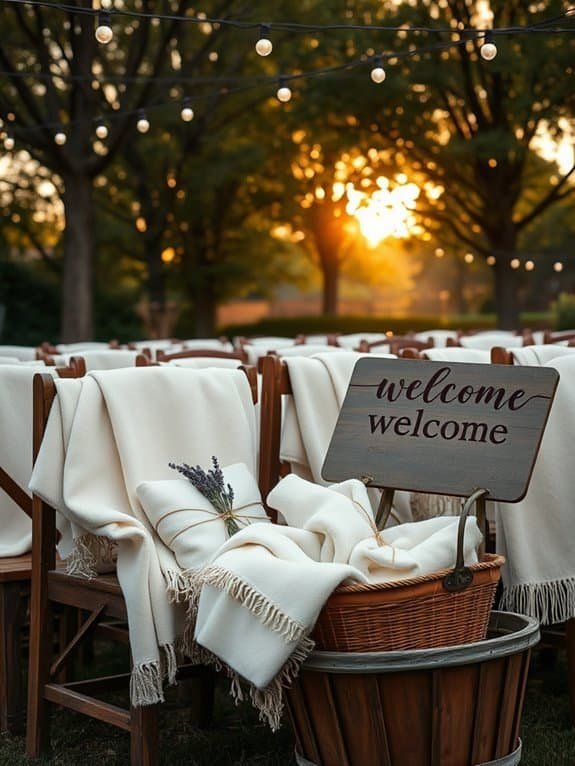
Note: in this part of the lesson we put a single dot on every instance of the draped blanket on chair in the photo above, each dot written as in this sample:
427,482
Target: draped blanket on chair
536,535
106,434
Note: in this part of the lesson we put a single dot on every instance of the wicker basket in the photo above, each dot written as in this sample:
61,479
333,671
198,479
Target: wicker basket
443,608
409,614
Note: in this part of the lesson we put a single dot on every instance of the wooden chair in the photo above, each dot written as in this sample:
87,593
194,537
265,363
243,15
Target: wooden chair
15,577
554,636
103,598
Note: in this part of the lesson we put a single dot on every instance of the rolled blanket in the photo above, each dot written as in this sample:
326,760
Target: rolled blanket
191,527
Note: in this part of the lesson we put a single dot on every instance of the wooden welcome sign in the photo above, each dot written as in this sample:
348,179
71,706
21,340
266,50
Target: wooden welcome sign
442,428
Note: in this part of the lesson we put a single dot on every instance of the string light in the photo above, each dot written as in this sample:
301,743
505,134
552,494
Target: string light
284,93
491,260
558,266
9,142
264,45
529,265
378,74
101,129
515,263
104,31
488,49
143,124
60,138
469,257
187,113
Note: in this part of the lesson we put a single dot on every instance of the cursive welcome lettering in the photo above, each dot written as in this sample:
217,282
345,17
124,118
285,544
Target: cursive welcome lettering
438,389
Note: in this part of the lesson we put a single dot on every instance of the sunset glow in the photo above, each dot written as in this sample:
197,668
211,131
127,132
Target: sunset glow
386,212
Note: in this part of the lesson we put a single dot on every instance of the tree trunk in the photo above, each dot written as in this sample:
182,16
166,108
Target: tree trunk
156,289
206,310
79,253
506,292
330,274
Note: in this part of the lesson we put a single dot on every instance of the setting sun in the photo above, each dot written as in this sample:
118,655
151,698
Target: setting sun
385,212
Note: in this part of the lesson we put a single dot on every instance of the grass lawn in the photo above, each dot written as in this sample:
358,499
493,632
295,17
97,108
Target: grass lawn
238,739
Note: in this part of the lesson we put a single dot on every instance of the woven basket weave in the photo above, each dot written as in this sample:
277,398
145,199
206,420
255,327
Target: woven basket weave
409,614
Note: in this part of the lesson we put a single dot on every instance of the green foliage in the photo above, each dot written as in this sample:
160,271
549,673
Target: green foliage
32,304
292,326
565,312
115,316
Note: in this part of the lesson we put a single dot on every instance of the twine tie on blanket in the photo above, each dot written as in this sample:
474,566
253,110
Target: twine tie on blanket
228,515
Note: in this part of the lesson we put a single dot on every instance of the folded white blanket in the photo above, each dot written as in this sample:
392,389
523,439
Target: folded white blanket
108,433
188,523
353,340
201,362
487,341
457,354
23,353
268,583
319,385
536,534
540,355
16,453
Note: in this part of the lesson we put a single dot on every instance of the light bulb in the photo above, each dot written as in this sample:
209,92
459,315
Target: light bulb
515,263
60,138
104,31
488,50
101,130
284,94
143,124
264,45
529,265
187,113
377,74
558,266
9,143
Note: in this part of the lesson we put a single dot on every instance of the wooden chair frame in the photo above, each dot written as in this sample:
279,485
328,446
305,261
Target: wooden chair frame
15,577
102,598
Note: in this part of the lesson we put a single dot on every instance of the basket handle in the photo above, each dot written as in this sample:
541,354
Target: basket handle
461,576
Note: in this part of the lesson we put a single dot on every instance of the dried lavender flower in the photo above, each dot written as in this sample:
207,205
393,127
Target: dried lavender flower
211,485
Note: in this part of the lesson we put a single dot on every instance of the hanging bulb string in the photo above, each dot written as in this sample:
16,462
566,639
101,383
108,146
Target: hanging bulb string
293,26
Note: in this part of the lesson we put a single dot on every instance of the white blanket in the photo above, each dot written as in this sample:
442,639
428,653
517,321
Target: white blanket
536,534
540,355
487,340
190,526
23,353
16,454
319,386
457,354
438,337
201,362
267,584
106,434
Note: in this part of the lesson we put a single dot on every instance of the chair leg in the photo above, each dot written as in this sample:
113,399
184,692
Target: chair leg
570,647
144,737
12,614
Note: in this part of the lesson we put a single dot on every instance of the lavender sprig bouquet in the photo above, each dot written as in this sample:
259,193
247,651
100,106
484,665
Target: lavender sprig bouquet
211,485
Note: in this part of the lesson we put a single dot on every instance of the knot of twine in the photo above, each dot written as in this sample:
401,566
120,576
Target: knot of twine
229,514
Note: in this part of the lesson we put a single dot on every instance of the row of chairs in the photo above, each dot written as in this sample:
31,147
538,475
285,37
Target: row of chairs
51,586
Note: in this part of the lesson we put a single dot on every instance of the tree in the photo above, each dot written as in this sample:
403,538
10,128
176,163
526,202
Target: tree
60,81
467,126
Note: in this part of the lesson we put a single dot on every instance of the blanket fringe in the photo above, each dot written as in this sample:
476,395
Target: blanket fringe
269,613
146,684
169,663
89,551
425,506
269,700
548,602
182,586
